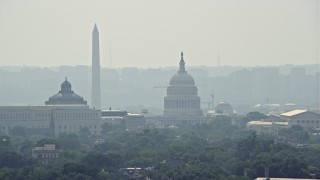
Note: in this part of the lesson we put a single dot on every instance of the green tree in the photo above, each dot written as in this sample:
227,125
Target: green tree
69,141
5,143
7,173
11,159
105,161
246,146
295,133
44,141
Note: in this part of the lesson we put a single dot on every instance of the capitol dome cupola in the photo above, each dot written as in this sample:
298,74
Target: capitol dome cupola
182,78
66,86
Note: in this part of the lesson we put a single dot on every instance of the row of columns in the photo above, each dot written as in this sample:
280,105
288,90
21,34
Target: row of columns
181,92
181,104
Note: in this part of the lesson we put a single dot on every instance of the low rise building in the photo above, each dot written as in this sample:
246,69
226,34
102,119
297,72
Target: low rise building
50,120
134,121
65,112
47,153
304,118
129,120
266,127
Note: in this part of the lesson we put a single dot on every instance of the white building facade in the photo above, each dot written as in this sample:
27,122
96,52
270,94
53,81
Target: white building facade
304,118
50,119
64,112
266,127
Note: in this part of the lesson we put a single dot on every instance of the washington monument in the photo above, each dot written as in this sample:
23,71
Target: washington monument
96,99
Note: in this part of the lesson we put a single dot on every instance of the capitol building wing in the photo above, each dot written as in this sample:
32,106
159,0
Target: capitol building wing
182,95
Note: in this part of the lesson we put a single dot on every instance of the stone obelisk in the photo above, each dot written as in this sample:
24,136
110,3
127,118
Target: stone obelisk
96,99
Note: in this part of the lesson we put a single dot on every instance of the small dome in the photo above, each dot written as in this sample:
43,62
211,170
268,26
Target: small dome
65,96
224,108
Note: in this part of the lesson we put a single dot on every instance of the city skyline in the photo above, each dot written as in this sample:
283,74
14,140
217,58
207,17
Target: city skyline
151,34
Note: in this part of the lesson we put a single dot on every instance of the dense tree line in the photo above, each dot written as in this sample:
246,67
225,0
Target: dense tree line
217,150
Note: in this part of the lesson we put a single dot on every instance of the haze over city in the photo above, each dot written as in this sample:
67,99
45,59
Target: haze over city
150,90
145,33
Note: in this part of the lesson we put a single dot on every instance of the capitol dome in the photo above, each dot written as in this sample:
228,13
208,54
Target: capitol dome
65,96
182,95
182,79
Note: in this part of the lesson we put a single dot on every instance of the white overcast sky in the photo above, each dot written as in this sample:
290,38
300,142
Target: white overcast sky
151,33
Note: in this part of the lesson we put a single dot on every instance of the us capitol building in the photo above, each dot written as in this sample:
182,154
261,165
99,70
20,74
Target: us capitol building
182,103
182,95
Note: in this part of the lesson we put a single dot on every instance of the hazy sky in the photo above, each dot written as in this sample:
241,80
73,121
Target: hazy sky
151,33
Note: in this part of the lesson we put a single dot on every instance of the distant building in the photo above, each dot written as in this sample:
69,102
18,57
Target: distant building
46,153
268,108
43,120
224,108
64,112
182,95
266,128
303,118
113,113
182,103
66,96
131,121
275,118
132,172
239,121
134,121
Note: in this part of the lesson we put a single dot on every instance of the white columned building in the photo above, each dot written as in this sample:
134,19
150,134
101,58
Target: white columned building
182,95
